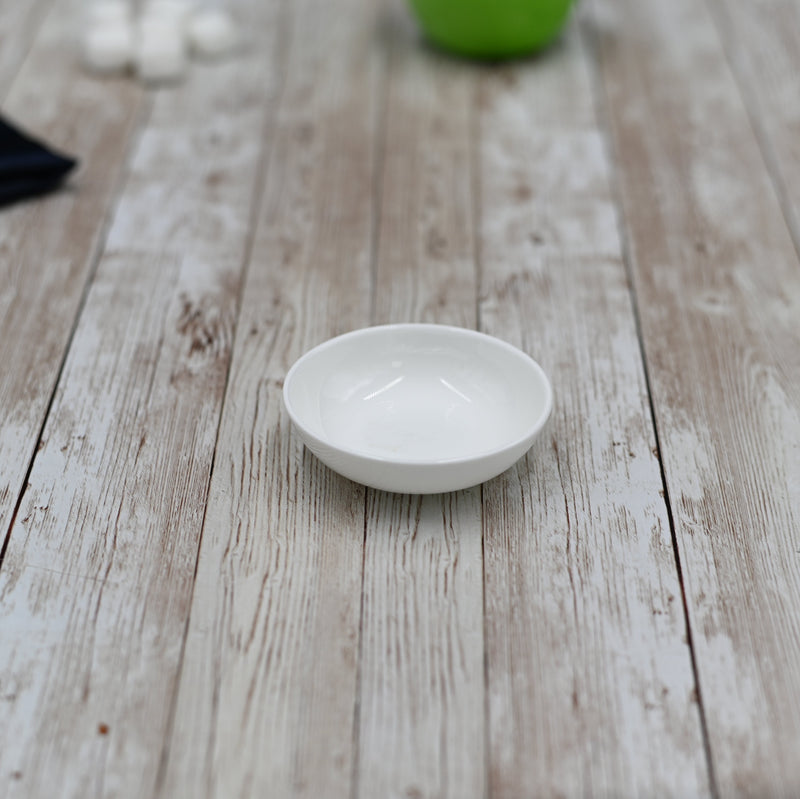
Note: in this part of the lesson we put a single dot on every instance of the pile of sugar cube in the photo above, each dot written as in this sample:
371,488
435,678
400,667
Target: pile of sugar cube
154,39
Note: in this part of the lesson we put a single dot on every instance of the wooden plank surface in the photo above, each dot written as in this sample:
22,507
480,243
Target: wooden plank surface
192,605
98,574
19,24
718,286
589,676
268,687
48,248
761,42
421,670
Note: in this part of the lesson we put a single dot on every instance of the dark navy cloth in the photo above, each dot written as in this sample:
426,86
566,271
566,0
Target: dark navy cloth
28,167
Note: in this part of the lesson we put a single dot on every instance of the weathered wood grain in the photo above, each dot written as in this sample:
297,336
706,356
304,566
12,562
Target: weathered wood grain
268,687
421,671
590,683
96,582
425,269
718,291
762,43
48,247
337,635
19,24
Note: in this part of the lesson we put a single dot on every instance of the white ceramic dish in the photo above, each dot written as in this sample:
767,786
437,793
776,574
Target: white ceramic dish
417,408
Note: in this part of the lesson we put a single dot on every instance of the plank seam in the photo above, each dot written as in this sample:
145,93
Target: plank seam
95,258
285,42
39,16
379,169
475,136
604,126
356,732
475,150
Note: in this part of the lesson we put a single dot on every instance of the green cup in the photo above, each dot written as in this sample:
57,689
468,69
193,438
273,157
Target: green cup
491,28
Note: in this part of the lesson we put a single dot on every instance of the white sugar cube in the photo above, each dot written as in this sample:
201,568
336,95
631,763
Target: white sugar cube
168,12
108,47
212,33
160,53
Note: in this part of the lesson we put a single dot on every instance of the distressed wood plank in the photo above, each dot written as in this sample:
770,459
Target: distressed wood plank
268,686
96,583
49,246
590,684
19,24
422,682
718,289
762,42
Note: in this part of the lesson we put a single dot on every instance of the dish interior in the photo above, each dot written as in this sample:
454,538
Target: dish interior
418,394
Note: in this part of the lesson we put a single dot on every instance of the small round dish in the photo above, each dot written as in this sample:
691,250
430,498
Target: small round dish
417,408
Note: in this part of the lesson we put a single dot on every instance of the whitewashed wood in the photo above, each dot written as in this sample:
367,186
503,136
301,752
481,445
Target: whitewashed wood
762,43
49,246
718,289
421,728
268,688
96,583
19,23
425,269
581,632
590,684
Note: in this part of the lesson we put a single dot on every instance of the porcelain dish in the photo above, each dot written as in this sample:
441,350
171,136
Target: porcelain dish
417,408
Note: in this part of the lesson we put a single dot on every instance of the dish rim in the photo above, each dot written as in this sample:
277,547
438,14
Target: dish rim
529,434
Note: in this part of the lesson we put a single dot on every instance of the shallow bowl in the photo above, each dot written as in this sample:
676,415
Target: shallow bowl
417,408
